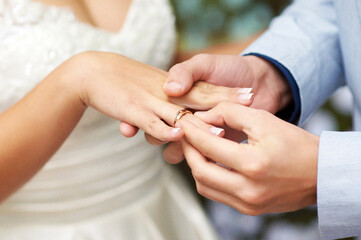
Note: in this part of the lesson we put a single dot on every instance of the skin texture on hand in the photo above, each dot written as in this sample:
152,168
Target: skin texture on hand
275,171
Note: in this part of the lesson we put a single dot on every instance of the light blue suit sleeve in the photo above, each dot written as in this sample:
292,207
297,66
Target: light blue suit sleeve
339,184
305,40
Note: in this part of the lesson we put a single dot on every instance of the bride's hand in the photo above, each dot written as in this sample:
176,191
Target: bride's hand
36,126
132,92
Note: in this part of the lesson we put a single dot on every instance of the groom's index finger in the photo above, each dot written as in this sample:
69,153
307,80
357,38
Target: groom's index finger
216,148
233,115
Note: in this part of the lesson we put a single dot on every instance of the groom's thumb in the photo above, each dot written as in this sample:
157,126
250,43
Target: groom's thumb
179,81
182,76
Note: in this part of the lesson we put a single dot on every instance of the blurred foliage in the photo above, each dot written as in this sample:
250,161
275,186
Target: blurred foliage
204,22
344,121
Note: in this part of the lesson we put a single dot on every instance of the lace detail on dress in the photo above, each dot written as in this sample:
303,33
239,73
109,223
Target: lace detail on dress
35,38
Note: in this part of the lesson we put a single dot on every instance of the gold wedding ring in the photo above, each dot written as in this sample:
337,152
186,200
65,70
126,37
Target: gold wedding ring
180,114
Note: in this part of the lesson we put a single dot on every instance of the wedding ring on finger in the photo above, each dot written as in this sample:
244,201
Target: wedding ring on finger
180,114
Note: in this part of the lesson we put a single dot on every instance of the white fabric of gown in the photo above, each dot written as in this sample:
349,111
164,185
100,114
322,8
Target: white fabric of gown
99,185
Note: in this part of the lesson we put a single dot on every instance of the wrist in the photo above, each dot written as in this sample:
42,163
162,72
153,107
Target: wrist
78,76
266,74
71,77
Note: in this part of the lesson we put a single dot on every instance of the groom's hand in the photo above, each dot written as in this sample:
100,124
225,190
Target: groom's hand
271,91
275,171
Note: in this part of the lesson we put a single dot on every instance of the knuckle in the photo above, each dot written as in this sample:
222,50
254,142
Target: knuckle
206,149
179,70
257,169
251,212
222,106
200,57
176,67
152,128
255,198
180,67
239,193
250,197
151,125
258,166
201,190
198,175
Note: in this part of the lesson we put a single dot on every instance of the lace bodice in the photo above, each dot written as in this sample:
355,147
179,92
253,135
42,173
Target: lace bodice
95,163
35,38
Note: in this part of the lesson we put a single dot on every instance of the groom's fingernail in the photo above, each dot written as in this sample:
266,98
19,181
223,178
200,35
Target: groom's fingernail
173,85
216,131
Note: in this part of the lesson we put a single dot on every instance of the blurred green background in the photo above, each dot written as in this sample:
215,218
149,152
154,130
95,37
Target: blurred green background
202,23
205,22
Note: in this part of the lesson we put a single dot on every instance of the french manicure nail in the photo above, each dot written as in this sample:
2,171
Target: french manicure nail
173,85
246,96
244,90
175,130
216,130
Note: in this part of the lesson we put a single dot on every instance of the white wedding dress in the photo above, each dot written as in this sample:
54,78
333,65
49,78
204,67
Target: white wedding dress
99,185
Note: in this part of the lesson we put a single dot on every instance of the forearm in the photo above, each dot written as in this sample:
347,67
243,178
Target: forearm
35,127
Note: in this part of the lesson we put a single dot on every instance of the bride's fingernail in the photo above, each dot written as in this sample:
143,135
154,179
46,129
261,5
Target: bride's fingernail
244,90
246,96
216,130
173,85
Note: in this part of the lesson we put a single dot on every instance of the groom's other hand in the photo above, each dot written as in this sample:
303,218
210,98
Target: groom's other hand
275,171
